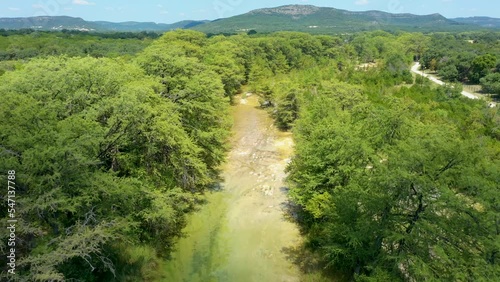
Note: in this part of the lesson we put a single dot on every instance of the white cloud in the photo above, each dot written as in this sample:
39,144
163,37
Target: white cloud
37,6
362,2
14,9
162,9
83,2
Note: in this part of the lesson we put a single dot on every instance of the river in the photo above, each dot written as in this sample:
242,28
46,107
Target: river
242,233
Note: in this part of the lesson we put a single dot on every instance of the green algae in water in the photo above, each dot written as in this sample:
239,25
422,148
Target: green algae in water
201,255
240,234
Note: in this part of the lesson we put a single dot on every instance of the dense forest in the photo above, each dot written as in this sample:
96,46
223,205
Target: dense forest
28,43
116,138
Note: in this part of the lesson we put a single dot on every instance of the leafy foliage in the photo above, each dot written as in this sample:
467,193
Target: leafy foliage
392,189
196,88
324,20
395,181
491,83
26,44
105,163
464,57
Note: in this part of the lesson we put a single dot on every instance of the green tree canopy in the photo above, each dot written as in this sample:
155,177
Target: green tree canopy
103,162
389,195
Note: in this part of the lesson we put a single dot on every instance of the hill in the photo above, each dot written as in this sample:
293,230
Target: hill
146,26
305,18
480,21
48,23
71,23
314,19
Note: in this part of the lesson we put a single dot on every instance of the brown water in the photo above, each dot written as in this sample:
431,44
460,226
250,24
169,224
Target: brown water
240,235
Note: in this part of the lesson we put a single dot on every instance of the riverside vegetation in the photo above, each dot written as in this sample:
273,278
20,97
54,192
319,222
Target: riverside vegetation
393,179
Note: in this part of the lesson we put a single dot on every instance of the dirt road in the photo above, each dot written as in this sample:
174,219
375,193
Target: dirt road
415,68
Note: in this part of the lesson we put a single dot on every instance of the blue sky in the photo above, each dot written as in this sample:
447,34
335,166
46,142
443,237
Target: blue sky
173,11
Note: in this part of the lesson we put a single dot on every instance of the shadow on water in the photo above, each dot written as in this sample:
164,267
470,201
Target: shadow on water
291,211
495,97
311,266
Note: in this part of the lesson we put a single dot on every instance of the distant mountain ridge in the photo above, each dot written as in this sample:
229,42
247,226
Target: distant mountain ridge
47,23
292,10
305,18
71,23
308,18
480,21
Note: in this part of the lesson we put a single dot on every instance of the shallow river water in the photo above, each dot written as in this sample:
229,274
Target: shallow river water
241,234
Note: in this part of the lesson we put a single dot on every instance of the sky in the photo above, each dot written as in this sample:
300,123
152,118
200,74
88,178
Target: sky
173,11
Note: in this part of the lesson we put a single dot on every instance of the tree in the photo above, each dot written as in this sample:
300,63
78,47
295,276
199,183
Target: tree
103,163
259,73
481,66
491,83
415,44
397,67
197,90
223,57
287,109
387,194
365,49
449,72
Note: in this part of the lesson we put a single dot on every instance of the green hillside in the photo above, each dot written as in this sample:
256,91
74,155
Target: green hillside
146,26
48,23
304,18
314,19
71,23
481,21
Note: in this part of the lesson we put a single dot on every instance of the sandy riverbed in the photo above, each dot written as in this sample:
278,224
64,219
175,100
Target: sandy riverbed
241,233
